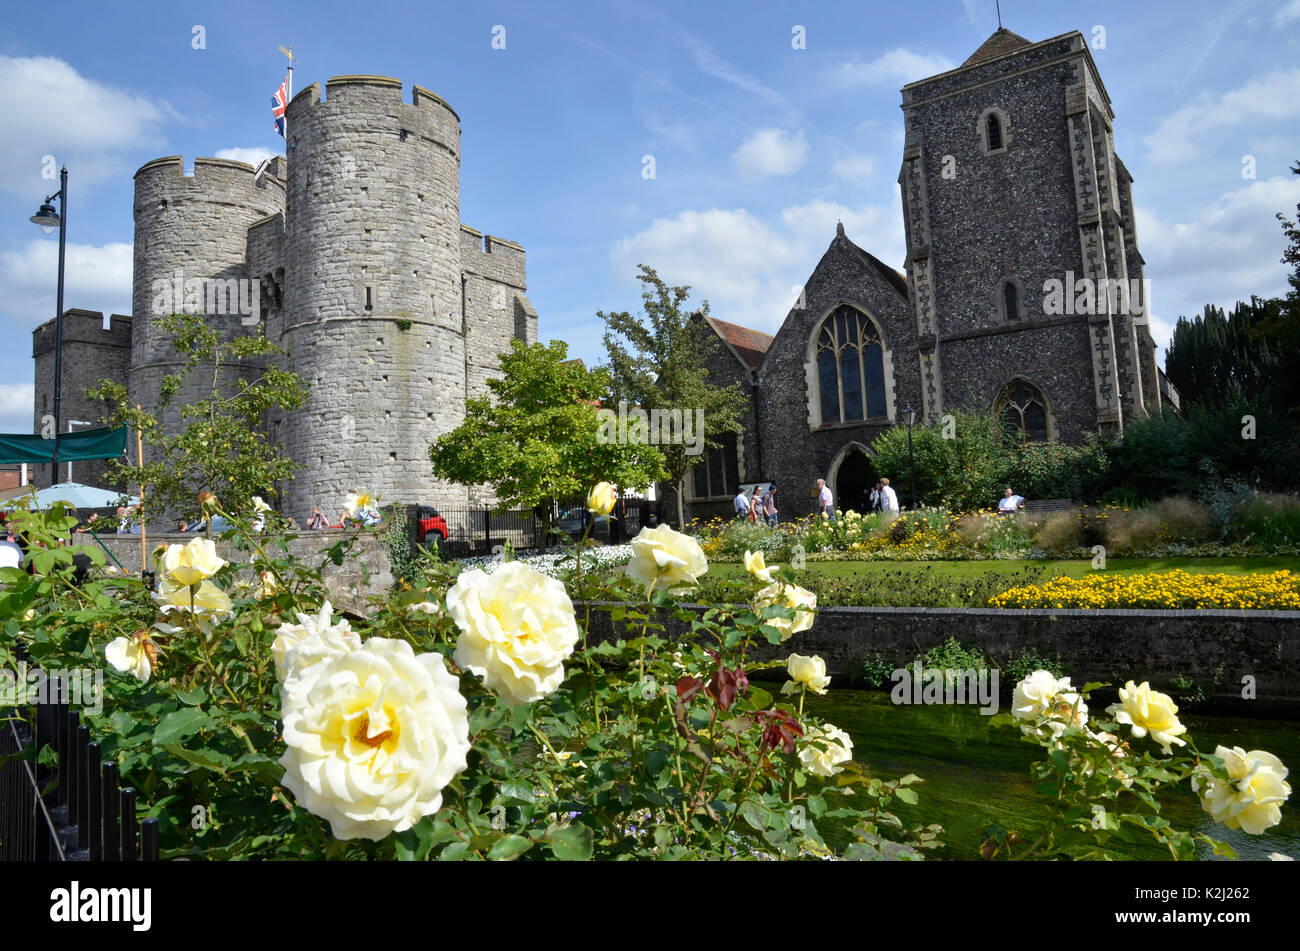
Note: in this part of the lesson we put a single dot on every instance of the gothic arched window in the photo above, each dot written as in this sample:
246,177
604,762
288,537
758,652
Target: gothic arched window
850,368
1023,410
994,123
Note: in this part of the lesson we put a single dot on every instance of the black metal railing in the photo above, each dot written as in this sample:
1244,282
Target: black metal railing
72,808
479,530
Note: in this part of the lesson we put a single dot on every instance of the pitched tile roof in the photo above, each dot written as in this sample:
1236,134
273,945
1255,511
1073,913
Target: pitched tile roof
1003,41
750,345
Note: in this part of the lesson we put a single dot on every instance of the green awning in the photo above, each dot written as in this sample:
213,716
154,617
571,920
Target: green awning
71,447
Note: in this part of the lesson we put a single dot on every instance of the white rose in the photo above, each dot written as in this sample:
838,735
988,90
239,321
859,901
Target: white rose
800,600
517,627
663,559
1149,711
1252,800
375,739
810,671
314,638
358,504
128,654
1042,697
823,749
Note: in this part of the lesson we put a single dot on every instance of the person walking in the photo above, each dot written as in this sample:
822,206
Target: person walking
741,503
873,500
825,501
889,498
769,505
755,505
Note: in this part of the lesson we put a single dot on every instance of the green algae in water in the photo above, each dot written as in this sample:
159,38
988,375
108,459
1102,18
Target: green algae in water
977,773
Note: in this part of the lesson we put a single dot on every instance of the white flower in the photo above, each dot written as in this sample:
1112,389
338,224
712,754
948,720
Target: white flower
517,627
424,607
1052,704
259,505
373,742
1252,798
800,600
299,649
1149,711
666,560
810,671
360,504
133,655
824,748
1098,817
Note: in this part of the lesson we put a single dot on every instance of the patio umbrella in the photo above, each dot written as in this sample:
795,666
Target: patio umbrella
80,496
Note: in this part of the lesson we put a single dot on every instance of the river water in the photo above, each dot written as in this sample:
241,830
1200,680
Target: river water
974,771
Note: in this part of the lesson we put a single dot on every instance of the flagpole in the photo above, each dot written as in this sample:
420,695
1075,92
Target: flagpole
288,51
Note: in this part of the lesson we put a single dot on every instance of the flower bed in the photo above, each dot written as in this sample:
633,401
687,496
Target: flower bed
1176,589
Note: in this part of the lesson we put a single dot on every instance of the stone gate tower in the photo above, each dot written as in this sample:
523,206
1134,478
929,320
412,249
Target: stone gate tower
1010,182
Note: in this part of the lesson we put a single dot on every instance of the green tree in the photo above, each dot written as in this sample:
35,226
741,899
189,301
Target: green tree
959,466
222,446
661,362
536,437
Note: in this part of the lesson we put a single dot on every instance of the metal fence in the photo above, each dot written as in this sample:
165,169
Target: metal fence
73,809
479,531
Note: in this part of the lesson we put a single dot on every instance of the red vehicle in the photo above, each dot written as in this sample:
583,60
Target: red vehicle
428,523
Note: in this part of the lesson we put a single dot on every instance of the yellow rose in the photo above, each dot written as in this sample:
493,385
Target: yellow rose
268,587
358,504
517,627
1251,801
128,654
800,600
823,749
204,599
1149,711
1042,697
601,498
299,648
373,740
192,563
755,565
809,671
663,559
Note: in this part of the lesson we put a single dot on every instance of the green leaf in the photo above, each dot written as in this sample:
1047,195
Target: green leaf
201,758
906,795
180,724
572,843
509,847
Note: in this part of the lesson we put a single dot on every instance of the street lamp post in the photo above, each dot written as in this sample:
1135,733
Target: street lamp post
910,415
49,219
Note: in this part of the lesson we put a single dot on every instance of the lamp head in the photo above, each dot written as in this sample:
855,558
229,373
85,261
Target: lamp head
46,217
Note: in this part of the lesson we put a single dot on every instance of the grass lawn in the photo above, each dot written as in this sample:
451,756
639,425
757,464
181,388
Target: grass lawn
967,570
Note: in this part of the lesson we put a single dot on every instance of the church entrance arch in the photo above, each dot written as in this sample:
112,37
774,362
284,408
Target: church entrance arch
852,475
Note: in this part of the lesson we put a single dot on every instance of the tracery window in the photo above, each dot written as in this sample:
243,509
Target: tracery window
1023,409
850,368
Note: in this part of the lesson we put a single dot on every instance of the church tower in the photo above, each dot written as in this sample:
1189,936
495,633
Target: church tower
1025,280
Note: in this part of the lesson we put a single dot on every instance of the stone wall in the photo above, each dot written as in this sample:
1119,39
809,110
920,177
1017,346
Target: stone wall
1216,649
366,572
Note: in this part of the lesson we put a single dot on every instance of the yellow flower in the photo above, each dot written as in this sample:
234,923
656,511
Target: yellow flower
359,504
133,654
298,648
517,627
755,566
204,599
800,600
824,748
601,498
1251,800
189,564
1149,711
809,671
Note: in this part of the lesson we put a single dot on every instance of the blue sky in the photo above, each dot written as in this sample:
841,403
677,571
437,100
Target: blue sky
759,148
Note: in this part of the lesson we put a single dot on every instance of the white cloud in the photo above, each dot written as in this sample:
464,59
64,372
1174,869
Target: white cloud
16,402
853,168
51,109
254,156
1287,14
897,66
97,278
769,152
1180,136
1227,251
747,268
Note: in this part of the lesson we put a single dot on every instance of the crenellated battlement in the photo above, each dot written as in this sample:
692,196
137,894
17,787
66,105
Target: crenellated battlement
84,326
224,180
493,258
363,94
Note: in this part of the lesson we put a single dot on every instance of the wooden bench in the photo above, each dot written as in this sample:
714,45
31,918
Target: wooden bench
1047,506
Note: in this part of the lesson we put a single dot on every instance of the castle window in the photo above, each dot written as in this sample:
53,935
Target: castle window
850,368
1022,408
1010,305
994,129
719,472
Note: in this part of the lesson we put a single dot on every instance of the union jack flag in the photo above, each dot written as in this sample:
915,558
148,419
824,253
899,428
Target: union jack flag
279,102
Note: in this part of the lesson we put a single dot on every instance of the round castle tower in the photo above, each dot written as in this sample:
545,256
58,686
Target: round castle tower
373,298
190,228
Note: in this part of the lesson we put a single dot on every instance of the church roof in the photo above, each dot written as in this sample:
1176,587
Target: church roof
1003,41
749,345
